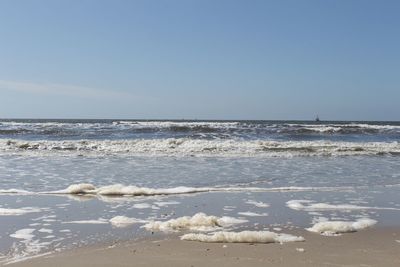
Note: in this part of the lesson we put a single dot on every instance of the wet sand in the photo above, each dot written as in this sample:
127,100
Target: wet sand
372,247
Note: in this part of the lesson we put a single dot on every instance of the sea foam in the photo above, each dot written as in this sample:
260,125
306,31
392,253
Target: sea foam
76,189
98,221
123,221
24,234
311,206
131,190
258,204
243,237
17,212
331,228
198,222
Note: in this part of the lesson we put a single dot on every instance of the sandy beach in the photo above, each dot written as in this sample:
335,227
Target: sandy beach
372,247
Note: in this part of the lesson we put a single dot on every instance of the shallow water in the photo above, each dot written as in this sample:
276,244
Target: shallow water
187,167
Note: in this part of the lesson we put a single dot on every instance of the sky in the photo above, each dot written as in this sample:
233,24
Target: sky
204,59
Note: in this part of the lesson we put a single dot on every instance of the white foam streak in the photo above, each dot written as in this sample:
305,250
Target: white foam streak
257,204
85,191
123,221
17,212
14,191
243,237
99,221
308,205
166,203
252,214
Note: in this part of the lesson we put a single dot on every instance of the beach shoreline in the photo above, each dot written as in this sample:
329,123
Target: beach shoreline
378,246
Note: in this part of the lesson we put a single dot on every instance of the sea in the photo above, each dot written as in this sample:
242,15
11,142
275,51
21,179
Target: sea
66,184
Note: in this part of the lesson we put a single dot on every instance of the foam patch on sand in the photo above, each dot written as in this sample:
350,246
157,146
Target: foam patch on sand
243,237
123,221
332,228
17,212
198,222
311,206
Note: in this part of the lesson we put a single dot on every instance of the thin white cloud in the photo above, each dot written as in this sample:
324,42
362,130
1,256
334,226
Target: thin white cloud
61,89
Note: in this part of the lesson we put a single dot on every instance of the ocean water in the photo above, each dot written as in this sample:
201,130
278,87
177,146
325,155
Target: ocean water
63,181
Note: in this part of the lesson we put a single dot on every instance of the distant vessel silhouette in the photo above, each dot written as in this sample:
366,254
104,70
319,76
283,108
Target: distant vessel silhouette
317,118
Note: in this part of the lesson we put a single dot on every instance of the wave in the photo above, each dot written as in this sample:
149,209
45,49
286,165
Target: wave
169,124
116,190
197,147
13,131
242,128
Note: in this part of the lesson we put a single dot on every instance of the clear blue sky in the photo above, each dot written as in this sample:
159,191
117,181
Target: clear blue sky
200,59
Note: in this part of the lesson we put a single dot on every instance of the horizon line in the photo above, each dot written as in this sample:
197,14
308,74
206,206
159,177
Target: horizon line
195,119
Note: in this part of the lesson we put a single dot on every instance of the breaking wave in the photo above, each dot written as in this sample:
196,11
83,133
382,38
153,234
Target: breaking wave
198,147
200,129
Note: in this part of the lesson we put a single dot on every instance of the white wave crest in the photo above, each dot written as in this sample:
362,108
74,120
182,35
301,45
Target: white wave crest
243,237
202,148
169,124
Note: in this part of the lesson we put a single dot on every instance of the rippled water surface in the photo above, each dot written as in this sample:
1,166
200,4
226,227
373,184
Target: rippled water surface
63,181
